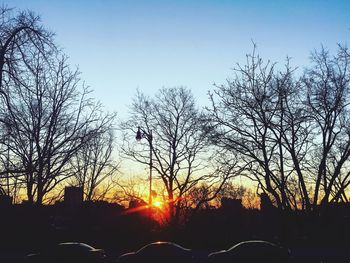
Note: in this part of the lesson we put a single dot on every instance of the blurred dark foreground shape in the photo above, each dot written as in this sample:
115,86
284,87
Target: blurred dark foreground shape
68,252
251,251
159,252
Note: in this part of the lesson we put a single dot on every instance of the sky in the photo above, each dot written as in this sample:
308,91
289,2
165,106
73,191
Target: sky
121,46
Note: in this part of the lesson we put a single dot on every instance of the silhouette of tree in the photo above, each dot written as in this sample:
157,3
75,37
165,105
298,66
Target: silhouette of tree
129,190
241,121
46,113
290,135
232,191
94,166
21,33
328,91
177,142
52,118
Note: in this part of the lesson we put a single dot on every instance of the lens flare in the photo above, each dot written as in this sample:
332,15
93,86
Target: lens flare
157,204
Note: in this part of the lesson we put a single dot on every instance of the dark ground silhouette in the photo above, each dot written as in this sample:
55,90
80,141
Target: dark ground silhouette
28,229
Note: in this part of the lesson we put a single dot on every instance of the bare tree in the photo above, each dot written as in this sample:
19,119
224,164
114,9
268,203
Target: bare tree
328,90
130,190
241,121
51,117
95,167
172,127
291,135
20,33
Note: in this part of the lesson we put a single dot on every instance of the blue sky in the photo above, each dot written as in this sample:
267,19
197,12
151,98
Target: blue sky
124,45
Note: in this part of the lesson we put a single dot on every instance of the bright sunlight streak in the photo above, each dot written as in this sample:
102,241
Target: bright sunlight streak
157,204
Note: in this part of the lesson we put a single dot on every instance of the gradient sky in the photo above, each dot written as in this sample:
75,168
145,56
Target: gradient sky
124,45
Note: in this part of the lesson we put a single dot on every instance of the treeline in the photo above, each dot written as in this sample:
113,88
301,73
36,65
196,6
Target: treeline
286,133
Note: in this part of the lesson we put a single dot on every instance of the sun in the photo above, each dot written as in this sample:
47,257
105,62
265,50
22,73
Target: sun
157,204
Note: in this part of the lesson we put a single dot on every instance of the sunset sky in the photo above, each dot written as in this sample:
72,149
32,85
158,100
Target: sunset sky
124,45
